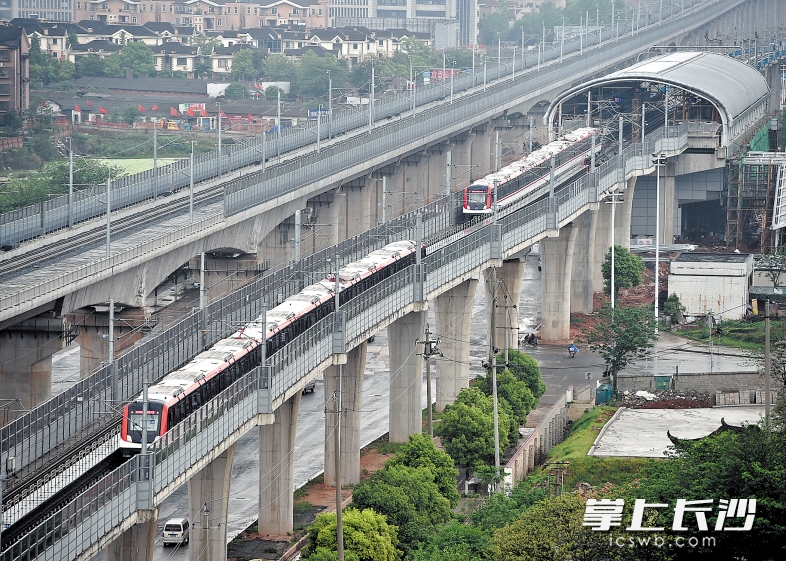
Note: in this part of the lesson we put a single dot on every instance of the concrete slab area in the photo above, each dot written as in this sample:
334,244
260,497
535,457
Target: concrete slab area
642,432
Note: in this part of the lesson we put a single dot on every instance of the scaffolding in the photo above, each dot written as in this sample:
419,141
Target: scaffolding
754,210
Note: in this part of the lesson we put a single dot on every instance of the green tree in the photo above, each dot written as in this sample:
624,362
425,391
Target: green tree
494,26
621,335
628,270
525,369
278,68
311,78
455,542
272,93
409,498
467,429
45,68
129,114
367,537
552,530
513,391
747,462
90,65
420,53
360,75
774,265
496,511
237,91
673,309
87,173
72,38
135,56
420,451
244,65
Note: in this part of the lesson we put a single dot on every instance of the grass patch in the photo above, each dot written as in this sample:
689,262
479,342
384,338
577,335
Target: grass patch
300,493
135,165
590,469
382,446
748,335
302,506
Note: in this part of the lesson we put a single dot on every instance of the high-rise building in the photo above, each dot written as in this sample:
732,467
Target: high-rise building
50,10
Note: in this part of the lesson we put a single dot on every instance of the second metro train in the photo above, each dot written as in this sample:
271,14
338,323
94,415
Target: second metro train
524,176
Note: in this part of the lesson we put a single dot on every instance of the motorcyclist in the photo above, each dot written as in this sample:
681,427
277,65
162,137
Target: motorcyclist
572,350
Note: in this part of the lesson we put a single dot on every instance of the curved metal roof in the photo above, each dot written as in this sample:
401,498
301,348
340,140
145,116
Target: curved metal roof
734,87
733,84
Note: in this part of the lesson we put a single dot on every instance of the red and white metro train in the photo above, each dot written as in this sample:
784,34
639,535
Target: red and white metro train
527,175
183,391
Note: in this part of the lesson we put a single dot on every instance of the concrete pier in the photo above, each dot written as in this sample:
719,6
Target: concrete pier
136,543
209,489
351,405
406,373
453,313
276,470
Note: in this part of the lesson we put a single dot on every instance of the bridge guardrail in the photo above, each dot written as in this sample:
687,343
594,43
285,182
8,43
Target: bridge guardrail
194,438
38,422
266,192
149,184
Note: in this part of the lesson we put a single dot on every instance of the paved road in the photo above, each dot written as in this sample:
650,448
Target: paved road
558,370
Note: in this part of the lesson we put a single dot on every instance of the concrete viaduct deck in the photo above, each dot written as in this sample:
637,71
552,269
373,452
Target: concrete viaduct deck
255,204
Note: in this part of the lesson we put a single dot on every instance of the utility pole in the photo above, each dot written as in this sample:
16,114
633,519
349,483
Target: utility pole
111,330
278,122
709,325
71,183
384,197
220,161
507,327
767,364
206,524
145,385
330,106
202,281
496,151
319,129
191,187
337,451
297,236
155,159
429,350
109,213
448,158
371,102
493,357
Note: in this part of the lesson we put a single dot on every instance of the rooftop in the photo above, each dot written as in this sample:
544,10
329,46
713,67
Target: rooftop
712,258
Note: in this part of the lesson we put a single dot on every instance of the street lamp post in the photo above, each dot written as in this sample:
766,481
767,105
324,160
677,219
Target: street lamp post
659,160
330,106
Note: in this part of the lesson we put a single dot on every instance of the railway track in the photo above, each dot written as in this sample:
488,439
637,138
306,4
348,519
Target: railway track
119,225
54,504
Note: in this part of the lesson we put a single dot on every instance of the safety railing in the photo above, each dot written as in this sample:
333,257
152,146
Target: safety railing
151,184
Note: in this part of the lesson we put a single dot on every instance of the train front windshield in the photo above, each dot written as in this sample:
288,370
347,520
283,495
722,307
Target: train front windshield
136,419
476,200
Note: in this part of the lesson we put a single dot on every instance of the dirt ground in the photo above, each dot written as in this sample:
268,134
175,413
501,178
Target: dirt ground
309,502
642,294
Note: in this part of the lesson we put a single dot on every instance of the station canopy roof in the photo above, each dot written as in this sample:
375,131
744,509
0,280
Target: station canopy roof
732,86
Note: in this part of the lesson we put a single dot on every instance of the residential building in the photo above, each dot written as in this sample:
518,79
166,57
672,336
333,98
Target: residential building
52,36
176,57
57,10
221,59
206,15
14,70
98,47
